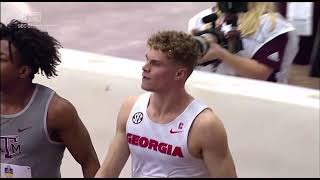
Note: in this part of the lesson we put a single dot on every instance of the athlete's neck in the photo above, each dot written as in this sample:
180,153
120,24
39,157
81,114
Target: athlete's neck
16,97
172,102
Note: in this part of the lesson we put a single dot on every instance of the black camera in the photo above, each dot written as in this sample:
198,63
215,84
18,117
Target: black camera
227,36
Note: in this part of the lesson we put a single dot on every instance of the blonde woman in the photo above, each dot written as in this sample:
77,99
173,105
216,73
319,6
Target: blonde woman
269,43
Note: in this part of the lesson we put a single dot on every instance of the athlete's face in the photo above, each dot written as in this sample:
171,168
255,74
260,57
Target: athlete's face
8,64
159,72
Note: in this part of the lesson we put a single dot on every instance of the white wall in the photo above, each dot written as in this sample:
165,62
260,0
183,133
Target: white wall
273,129
14,10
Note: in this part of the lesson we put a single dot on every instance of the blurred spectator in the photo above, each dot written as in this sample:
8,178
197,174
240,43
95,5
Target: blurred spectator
305,18
269,44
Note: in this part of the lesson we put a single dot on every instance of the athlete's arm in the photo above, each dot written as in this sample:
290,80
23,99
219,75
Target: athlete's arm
118,152
212,138
65,126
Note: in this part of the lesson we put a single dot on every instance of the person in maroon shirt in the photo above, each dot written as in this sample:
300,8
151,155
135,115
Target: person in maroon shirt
268,41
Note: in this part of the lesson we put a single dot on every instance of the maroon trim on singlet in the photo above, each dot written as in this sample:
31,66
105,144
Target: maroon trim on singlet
278,44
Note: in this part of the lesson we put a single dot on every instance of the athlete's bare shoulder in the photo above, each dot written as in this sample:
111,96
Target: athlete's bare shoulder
125,110
211,141
59,104
60,112
128,104
208,125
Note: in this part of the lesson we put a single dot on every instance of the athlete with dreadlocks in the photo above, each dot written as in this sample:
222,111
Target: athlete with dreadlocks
36,123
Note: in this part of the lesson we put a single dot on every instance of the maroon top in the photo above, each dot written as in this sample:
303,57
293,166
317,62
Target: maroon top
278,44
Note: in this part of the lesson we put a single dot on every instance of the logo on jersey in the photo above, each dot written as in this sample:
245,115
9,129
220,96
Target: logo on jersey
154,145
23,129
174,131
8,172
137,117
177,131
10,146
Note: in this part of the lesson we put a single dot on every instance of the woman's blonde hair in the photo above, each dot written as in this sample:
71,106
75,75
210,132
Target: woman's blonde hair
249,22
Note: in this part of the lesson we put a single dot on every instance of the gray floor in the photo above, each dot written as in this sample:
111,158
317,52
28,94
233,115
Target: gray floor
116,29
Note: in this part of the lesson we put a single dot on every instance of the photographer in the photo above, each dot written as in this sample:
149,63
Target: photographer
268,41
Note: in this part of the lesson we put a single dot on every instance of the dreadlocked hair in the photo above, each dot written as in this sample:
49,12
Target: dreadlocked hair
36,48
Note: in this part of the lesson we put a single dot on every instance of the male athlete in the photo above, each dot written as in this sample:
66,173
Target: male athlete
36,123
168,132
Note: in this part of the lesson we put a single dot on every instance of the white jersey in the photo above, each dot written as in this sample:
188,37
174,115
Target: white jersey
161,150
253,43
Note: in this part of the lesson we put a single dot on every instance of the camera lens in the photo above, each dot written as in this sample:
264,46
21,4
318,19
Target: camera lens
202,43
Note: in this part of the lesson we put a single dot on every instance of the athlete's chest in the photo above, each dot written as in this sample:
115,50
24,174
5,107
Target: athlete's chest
7,109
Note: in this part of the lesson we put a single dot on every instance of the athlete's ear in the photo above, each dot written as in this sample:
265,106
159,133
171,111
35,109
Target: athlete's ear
25,72
181,74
